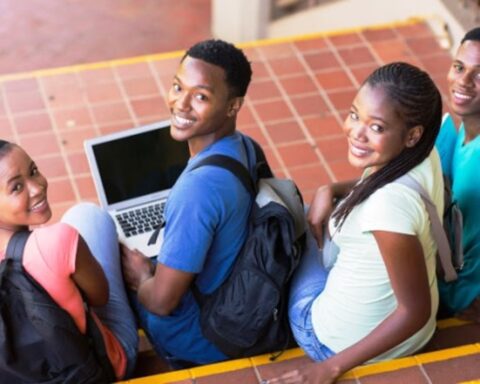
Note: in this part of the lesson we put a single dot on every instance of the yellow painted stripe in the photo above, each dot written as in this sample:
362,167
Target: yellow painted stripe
90,66
446,354
470,382
384,366
451,322
174,54
349,375
330,33
358,372
406,362
364,370
226,366
162,378
286,355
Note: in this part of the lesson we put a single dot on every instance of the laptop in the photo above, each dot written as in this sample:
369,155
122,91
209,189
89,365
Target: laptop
133,172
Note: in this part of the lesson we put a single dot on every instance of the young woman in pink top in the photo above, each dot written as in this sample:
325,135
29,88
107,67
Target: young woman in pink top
79,253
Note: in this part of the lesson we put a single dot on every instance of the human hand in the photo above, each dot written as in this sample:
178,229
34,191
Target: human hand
318,373
136,267
319,212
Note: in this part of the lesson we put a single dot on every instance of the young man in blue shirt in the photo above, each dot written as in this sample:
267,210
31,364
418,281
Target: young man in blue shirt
207,210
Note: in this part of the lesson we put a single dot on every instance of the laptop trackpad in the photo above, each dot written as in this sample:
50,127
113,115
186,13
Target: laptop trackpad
140,242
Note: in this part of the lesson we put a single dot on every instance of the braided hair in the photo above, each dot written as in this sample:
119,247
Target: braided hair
417,100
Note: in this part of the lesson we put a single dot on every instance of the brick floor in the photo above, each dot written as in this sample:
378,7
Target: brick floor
38,34
300,92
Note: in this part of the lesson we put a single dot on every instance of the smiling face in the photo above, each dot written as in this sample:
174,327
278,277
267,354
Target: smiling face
375,130
201,106
23,191
464,80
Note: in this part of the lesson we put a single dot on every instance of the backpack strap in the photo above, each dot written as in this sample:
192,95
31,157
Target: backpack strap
262,168
241,173
16,245
232,165
439,235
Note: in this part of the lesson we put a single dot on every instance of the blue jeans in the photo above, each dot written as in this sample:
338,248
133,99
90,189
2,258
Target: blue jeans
98,230
307,284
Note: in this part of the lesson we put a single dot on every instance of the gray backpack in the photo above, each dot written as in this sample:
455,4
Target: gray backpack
449,236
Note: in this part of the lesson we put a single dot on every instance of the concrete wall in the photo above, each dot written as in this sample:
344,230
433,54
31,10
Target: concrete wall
240,20
247,20
342,14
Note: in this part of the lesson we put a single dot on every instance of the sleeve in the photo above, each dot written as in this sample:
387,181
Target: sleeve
393,208
192,215
56,246
50,257
445,143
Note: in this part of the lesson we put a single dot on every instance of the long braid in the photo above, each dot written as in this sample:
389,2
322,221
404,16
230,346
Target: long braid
419,103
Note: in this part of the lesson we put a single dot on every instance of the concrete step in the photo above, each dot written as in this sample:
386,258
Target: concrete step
452,356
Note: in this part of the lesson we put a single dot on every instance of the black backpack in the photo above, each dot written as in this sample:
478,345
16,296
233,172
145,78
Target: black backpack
39,341
248,313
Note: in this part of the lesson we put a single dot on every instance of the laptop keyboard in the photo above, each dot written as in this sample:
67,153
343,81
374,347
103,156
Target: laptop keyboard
141,220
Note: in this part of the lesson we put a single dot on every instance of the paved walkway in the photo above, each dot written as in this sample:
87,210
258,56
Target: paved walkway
37,34
302,89
300,93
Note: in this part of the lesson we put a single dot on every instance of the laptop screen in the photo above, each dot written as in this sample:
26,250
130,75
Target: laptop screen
140,164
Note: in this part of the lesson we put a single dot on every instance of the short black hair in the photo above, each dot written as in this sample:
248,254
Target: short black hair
231,59
473,34
5,146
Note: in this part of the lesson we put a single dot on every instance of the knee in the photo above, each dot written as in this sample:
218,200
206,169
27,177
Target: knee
88,212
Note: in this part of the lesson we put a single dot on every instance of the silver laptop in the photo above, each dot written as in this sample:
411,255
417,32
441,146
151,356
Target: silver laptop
133,171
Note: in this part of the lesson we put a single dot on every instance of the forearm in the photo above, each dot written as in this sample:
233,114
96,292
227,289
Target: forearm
149,298
395,329
163,291
342,189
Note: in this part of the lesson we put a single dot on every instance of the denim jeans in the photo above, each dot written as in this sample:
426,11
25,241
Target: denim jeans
98,230
307,284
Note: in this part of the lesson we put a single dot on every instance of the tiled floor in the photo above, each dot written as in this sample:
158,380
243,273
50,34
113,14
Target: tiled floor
37,34
301,90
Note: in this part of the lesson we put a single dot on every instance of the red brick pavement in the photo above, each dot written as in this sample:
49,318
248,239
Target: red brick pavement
38,34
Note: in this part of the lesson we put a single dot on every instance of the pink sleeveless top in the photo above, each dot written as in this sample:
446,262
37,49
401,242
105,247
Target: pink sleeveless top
49,257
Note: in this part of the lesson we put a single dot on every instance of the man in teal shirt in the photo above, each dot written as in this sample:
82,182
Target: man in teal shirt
460,155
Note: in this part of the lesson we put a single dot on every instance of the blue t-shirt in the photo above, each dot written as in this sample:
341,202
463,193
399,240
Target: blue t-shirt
206,225
461,162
